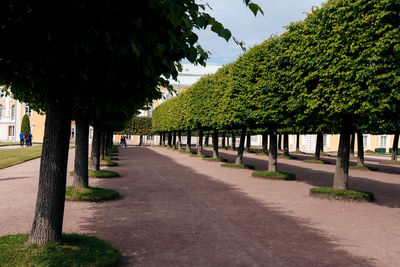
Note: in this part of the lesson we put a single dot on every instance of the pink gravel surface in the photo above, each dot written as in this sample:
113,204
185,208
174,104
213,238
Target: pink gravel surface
178,210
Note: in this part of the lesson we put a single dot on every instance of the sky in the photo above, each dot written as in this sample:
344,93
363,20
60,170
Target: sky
245,27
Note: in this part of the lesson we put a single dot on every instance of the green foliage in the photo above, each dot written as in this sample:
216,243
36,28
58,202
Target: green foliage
274,175
91,194
107,162
139,126
349,194
75,250
25,125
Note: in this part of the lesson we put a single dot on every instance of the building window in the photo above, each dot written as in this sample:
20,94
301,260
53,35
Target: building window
365,140
11,131
149,137
12,112
383,141
28,111
1,110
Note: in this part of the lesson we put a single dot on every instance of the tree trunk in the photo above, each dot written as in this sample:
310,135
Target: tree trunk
227,141
102,145
179,140
49,211
174,141
223,140
248,142
395,146
233,141
160,141
189,141
317,154
360,149
95,153
140,140
206,139
215,143
169,139
200,142
81,167
286,144
297,142
341,177
279,142
273,153
265,142
239,156
352,141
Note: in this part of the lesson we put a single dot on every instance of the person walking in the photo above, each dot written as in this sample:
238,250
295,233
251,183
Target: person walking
29,139
21,138
121,143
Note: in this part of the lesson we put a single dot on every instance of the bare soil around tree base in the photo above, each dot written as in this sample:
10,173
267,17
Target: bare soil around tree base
177,210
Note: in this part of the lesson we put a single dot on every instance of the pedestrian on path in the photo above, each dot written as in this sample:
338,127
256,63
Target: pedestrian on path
21,138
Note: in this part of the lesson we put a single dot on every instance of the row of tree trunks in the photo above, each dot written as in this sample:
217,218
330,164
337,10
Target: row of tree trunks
223,145
248,142
265,142
352,144
272,153
286,145
233,141
360,149
297,142
319,146
174,141
95,153
206,139
395,146
215,143
189,141
200,143
341,177
279,142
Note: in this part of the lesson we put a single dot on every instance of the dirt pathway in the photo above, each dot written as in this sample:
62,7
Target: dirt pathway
181,211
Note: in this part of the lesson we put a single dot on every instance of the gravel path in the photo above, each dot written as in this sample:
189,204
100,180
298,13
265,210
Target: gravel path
182,211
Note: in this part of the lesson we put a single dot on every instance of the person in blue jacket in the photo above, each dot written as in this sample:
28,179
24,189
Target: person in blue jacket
21,138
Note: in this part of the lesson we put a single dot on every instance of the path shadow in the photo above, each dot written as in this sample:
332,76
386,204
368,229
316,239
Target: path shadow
173,216
12,178
386,194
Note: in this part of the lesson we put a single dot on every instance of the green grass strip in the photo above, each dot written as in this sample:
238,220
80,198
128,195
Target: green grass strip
75,250
113,149
286,157
108,163
100,174
11,157
341,194
9,144
275,175
197,155
112,154
238,166
390,162
111,158
90,194
363,168
215,159
320,161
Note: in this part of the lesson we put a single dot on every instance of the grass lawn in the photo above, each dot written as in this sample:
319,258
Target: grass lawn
75,250
100,174
320,161
340,194
274,175
214,159
390,162
363,168
108,163
9,143
286,157
90,194
237,166
11,157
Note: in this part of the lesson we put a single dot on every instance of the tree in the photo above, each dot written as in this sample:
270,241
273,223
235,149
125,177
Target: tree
25,125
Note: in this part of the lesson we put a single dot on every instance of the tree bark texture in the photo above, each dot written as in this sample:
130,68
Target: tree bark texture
169,139
174,141
223,141
341,177
179,140
189,141
200,142
215,143
95,153
360,149
233,141
297,142
265,142
239,156
395,146
286,144
248,142
160,141
81,167
273,153
227,141
317,154
140,140
352,144
206,140
49,211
